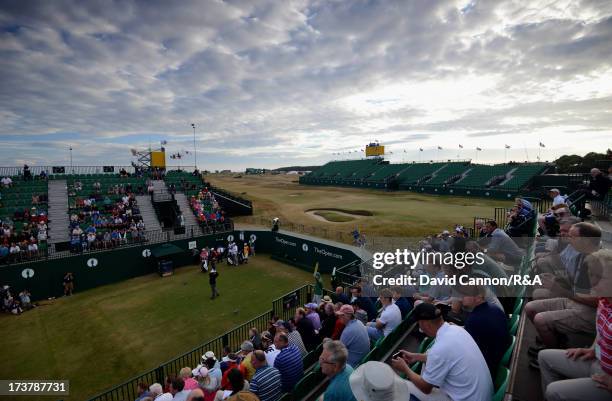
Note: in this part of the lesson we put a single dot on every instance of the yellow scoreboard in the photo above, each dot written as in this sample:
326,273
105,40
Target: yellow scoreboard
158,159
375,149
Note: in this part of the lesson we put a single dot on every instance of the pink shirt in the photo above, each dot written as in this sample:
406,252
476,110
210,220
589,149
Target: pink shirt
190,384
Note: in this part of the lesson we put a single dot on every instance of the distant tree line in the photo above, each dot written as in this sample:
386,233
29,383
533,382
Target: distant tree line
298,168
583,164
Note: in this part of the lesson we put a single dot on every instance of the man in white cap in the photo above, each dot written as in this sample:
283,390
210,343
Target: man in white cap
454,366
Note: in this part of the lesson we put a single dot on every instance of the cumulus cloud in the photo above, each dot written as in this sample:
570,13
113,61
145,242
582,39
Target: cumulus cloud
271,83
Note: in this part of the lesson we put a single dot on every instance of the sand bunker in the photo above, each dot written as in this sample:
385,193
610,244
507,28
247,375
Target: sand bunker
333,215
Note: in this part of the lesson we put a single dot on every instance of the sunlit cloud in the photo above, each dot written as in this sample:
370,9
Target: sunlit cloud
270,83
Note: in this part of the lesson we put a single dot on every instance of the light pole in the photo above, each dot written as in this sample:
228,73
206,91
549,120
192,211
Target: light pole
71,169
195,154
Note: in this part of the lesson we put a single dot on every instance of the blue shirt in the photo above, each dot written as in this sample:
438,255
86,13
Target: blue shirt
289,364
266,383
404,306
356,340
367,305
339,388
487,324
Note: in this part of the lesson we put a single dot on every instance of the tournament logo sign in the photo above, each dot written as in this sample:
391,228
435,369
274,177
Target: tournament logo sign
305,247
27,273
253,237
93,262
230,238
146,253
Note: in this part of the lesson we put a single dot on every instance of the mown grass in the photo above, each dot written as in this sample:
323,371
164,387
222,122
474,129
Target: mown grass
102,337
395,214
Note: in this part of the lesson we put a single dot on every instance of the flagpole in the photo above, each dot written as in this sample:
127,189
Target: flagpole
539,150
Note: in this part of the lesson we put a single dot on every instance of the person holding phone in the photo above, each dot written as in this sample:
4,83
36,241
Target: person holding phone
454,368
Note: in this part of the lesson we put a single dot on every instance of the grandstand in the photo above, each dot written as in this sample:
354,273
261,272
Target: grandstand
99,202
188,194
440,177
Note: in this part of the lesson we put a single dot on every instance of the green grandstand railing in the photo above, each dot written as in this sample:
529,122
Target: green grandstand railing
128,390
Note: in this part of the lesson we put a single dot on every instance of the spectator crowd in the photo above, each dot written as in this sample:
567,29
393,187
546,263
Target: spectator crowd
101,221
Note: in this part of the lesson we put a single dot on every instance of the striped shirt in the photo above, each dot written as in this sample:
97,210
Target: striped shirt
266,383
295,338
603,347
289,364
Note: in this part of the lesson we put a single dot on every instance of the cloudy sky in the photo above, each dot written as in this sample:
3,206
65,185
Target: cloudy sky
277,83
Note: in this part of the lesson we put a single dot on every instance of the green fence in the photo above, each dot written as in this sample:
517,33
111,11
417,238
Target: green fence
233,338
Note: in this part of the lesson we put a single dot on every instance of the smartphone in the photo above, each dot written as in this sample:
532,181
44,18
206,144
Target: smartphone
398,354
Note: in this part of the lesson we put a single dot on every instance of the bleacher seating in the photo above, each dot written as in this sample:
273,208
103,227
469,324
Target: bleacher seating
100,215
449,176
479,175
447,172
22,195
23,206
417,172
183,181
386,171
522,174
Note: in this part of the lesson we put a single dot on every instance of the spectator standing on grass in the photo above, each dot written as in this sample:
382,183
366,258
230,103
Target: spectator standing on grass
68,284
212,280
317,293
